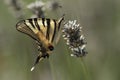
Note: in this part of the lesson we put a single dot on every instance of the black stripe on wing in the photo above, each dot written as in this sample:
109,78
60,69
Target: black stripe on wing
48,28
43,21
60,24
36,24
31,22
54,30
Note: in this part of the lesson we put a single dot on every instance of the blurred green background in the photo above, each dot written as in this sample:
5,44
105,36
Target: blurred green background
101,26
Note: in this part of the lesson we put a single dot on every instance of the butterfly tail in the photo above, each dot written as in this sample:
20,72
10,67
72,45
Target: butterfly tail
61,19
38,59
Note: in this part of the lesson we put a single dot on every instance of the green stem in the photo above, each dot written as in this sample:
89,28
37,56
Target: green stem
85,69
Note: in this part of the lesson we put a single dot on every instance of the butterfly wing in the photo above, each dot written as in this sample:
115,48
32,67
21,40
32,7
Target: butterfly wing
58,32
25,27
49,28
53,29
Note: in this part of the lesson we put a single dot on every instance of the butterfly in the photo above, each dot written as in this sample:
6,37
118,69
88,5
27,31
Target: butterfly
44,31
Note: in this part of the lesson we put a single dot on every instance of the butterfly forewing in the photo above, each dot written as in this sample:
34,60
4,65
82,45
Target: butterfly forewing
24,28
48,27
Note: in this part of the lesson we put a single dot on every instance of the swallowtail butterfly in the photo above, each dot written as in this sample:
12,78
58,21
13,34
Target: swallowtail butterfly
43,31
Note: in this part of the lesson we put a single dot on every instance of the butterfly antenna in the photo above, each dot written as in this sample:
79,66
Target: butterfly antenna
38,59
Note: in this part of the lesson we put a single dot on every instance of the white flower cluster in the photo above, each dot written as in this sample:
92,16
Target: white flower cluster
74,38
16,7
39,7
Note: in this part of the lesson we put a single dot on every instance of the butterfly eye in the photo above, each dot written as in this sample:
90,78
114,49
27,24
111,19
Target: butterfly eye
51,48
